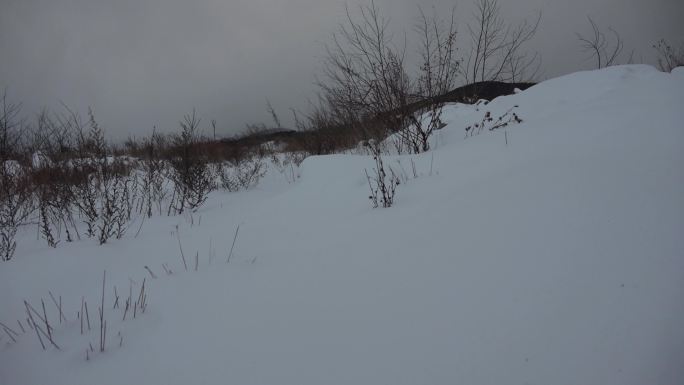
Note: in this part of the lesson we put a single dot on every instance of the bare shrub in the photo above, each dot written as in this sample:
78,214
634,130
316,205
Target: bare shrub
86,162
104,182
364,75
669,57
438,72
382,185
243,173
52,177
490,124
112,185
15,207
286,163
152,187
191,173
54,197
88,179
323,131
15,194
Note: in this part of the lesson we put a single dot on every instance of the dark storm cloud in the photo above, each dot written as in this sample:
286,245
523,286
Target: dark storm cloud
141,63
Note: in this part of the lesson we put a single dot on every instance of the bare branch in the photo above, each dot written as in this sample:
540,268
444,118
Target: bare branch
598,46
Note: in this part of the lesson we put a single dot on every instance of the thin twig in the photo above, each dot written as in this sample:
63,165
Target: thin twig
81,315
59,307
230,254
9,331
33,324
116,298
151,273
47,325
432,160
128,305
38,328
7,328
103,322
166,269
32,309
180,246
140,228
142,297
87,314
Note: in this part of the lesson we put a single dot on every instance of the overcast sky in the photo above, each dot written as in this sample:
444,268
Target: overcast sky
144,63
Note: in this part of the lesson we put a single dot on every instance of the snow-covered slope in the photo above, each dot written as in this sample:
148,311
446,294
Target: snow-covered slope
557,258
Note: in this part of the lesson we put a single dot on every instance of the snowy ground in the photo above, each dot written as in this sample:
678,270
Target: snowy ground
555,259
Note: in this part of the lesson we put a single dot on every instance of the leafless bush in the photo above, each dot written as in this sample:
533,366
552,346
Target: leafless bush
597,45
489,123
46,219
243,173
191,173
15,208
104,181
669,57
112,186
322,131
52,178
91,180
15,194
437,76
286,163
86,193
116,208
364,75
153,191
250,170
86,162
382,185
54,199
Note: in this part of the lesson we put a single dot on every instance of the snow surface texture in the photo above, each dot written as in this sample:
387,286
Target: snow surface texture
555,259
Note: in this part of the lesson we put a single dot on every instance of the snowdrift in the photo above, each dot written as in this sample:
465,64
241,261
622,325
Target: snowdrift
545,252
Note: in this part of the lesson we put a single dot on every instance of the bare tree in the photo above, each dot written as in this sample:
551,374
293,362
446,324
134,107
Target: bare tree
364,74
496,52
439,64
599,47
669,58
437,76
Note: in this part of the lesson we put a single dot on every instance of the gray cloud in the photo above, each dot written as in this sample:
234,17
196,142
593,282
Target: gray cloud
141,63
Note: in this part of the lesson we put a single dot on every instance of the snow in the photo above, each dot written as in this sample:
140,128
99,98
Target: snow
555,259
11,167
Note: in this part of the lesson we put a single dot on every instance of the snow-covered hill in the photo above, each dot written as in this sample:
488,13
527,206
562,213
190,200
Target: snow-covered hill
545,252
